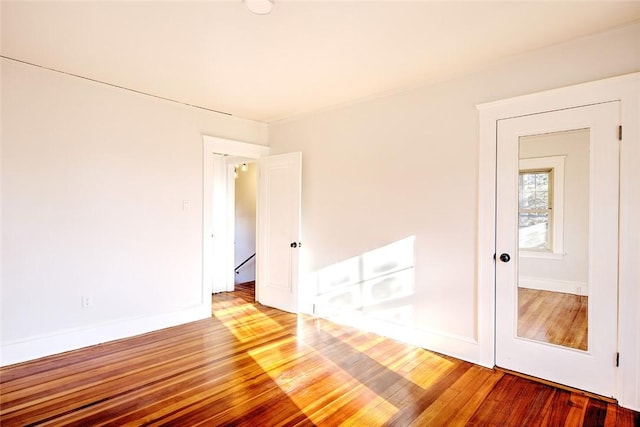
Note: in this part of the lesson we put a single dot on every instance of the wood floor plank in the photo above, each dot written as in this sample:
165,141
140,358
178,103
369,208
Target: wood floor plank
163,394
464,414
411,409
596,413
627,418
449,405
577,410
101,386
495,410
553,317
254,365
557,409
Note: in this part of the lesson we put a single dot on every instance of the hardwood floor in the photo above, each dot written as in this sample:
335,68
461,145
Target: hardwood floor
256,366
553,317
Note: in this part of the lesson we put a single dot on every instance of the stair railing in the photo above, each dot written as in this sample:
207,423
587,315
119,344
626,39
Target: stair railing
237,269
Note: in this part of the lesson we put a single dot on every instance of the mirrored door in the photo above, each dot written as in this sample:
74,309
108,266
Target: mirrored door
556,266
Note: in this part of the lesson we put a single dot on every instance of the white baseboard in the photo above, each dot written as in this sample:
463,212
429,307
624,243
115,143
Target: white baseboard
72,339
457,346
554,285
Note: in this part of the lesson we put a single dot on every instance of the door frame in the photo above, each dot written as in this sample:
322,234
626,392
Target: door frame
626,89
220,146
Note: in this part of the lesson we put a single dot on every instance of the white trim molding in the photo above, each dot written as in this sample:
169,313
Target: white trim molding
72,339
625,89
554,285
458,346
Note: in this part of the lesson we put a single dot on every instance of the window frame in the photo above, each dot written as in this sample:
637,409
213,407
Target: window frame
555,166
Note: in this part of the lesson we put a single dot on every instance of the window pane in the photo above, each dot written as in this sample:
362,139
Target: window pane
529,182
540,200
542,181
533,190
533,230
533,210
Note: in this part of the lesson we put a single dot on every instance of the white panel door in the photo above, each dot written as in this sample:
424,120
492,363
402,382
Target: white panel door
577,343
278,230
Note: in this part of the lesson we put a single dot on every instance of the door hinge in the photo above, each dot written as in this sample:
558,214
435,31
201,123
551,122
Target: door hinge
620,133
617,360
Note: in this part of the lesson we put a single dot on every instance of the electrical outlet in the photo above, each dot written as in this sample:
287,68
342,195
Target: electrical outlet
87,301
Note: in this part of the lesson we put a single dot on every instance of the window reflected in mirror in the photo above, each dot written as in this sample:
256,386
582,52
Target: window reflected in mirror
534,210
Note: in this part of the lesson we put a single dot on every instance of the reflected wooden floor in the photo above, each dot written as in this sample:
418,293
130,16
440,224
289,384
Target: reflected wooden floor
250,365
553,317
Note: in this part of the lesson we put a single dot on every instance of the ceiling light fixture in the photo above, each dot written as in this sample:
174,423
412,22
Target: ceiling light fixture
259,7
243,167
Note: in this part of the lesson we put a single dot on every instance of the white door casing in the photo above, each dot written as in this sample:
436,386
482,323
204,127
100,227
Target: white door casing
592,370
278,239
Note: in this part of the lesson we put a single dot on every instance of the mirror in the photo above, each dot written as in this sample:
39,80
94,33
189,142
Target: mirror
553,238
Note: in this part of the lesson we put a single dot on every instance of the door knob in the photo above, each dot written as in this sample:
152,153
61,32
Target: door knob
505,257
294,245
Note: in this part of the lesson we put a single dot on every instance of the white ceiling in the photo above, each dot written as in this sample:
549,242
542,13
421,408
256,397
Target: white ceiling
304,56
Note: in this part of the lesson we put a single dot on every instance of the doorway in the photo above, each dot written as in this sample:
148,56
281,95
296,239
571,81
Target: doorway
278,217
245,180
219,159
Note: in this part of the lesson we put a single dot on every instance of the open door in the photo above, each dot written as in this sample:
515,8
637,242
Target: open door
221,223
278,230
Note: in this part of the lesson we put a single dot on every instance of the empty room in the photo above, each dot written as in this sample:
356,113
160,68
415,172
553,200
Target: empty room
291,212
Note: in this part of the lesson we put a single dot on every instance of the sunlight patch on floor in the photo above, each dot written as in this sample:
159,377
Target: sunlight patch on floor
246,322
317,386
328,369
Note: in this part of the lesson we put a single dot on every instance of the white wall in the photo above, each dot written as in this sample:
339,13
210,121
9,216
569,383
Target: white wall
406,165
101,197
245,222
